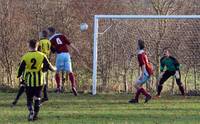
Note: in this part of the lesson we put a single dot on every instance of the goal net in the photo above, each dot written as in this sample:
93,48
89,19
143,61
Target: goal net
115,66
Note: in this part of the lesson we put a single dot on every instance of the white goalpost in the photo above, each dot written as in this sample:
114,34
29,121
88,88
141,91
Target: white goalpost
97,18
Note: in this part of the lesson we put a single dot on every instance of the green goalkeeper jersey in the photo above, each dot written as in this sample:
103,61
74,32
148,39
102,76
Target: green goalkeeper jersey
170,63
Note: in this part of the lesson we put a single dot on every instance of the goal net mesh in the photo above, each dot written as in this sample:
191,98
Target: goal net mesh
117,66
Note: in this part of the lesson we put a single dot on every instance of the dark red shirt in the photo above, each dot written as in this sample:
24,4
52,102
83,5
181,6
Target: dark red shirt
143,60
59,43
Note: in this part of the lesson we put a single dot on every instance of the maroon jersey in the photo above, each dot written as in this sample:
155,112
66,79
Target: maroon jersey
59,43
143,60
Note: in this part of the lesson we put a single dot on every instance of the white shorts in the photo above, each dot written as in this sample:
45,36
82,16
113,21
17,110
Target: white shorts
63,62
145,78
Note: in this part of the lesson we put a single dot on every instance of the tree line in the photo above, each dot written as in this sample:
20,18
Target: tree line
21,20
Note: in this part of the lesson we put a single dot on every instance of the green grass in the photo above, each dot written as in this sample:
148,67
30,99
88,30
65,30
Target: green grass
103,109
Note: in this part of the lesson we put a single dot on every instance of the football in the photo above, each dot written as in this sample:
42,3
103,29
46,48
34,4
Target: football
83,26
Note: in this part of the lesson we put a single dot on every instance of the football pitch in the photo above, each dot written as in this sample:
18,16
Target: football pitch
103,109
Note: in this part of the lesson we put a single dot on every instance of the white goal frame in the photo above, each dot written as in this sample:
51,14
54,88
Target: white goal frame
128,17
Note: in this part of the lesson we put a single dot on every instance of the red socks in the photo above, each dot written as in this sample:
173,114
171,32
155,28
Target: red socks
137,94
143,91
72,79
57,77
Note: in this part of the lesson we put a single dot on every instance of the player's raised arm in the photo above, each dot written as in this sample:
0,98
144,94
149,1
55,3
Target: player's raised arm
71,44
75,48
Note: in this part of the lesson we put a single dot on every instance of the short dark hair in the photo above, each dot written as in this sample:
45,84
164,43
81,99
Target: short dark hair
166,48
44,34
51,29
141,44
33,43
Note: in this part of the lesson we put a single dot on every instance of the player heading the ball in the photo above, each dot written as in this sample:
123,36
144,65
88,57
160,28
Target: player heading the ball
60,44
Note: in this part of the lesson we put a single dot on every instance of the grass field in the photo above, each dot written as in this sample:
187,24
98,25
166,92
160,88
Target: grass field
103,109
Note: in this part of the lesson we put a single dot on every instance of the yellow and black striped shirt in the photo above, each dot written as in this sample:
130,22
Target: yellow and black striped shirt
33,65
44,46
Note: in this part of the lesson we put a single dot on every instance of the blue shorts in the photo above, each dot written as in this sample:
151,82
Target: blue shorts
63,62
145,78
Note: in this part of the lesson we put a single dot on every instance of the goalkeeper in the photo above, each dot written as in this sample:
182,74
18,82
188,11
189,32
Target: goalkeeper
172,69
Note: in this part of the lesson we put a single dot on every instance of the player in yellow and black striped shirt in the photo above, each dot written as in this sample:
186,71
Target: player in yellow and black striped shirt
44,43
33,66
44,47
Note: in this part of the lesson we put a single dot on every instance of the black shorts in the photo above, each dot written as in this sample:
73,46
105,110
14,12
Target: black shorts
22,83
33,91
168,74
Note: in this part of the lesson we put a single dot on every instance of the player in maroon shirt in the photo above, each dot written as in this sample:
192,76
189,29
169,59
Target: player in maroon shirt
146,72
60,44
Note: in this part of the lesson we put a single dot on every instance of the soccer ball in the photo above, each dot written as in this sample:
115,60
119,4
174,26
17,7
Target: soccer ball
83,26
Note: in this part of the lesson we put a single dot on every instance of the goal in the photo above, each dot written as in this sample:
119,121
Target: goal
114,45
